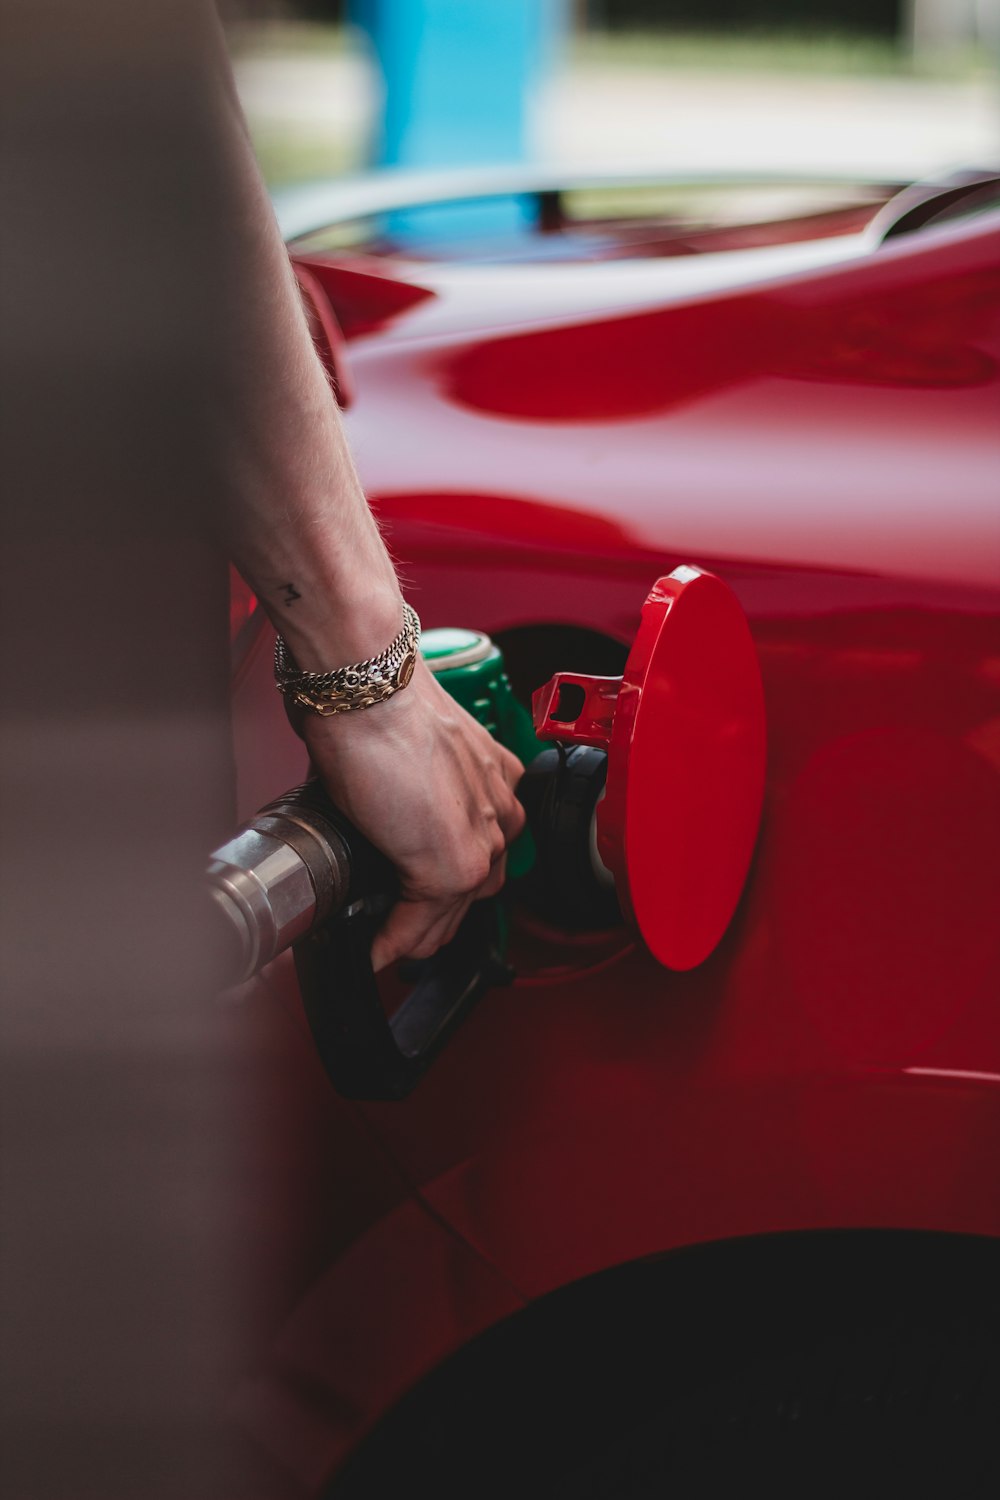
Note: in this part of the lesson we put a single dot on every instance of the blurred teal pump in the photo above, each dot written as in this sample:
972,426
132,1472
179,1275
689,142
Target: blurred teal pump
459,75
471,667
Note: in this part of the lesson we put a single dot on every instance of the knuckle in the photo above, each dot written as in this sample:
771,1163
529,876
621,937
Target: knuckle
512,768
464,872
426,947
478,870
385,951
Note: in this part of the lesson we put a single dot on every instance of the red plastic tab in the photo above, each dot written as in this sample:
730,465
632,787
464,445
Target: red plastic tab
560,713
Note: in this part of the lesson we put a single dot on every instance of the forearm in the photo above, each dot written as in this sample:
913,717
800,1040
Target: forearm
297,522
425,782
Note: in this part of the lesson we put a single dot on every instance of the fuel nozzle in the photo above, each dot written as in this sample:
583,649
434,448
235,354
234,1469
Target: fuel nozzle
296,863
281,875
569,884
559,873
643,794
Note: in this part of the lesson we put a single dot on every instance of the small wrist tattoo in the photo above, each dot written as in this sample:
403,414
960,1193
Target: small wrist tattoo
290,592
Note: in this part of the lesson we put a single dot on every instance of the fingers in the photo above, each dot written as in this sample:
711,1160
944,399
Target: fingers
510,817
458,788
493,884
511,767
509,813
416,929
512,772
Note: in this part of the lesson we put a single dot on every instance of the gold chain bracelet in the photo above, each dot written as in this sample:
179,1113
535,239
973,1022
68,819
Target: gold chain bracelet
360,685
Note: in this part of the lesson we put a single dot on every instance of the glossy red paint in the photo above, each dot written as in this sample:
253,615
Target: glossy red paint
327,335
366,298
815,421
827,444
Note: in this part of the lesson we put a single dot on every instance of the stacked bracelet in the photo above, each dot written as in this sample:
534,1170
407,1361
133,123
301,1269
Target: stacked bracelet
359,686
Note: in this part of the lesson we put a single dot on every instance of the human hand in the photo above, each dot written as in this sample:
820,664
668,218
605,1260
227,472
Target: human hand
431,789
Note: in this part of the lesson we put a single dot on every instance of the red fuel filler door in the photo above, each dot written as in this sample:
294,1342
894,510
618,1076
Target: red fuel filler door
685,736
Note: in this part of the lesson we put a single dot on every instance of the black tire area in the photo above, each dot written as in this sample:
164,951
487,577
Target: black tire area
862,1363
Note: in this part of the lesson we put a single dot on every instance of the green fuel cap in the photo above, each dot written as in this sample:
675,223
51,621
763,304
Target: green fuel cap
471,667
448,649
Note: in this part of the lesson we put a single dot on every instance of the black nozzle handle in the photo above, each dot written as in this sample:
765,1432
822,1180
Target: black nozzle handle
300,875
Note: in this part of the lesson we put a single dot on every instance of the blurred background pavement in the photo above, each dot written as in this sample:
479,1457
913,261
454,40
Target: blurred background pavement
869,100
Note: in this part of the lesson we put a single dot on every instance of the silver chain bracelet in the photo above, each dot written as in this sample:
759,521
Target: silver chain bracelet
360,685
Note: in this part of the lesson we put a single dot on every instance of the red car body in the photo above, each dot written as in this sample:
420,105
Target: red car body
822,433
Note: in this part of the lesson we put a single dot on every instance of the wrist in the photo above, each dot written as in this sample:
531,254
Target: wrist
338,631
351,685
326,581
